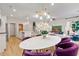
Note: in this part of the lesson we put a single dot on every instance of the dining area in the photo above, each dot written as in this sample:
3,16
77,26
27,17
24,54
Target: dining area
47,40
50,45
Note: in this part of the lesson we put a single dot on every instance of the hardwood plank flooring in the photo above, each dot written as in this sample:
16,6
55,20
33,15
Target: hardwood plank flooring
13,48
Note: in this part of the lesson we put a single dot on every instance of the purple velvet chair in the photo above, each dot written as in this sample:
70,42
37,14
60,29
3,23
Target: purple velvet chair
66,49
63,40
66,39
26,38
38,35
30,37
29,53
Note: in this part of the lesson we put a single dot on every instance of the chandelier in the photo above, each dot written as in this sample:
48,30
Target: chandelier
41,14
43,26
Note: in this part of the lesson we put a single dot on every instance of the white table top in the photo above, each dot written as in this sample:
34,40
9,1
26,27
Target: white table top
39,42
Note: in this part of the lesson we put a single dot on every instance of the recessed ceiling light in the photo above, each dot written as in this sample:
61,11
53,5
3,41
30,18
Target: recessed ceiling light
14,10
52,4
11,15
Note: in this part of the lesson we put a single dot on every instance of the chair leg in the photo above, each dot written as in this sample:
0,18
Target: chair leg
23,52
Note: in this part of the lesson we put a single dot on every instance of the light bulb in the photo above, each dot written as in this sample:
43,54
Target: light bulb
48,16
36,16
41,18
52,4
45,13
50,19
11,15
14,10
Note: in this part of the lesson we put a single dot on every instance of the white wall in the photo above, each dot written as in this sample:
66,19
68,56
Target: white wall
16,21
59,22
3,21
63,23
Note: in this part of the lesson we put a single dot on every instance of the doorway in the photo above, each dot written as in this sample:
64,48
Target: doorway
12,29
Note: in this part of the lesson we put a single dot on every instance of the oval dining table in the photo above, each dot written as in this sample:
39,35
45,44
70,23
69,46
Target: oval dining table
37,43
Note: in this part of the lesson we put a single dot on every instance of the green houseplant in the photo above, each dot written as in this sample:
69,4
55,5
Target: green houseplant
44,33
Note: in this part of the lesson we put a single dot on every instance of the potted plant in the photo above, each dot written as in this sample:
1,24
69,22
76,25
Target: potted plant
44,33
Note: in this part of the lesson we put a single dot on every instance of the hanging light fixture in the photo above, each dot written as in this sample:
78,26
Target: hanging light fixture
48,16
41,17
11,15
50,19
42,13
45,13
14,10
36,16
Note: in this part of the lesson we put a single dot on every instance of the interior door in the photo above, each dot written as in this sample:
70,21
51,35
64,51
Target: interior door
12,29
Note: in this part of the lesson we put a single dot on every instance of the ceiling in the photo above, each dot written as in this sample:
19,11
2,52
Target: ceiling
24,10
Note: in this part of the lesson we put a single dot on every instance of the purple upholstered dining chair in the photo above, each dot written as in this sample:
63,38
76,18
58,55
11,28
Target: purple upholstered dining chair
29,53
30,37
26,38
66,39
66,49
38,35
63,40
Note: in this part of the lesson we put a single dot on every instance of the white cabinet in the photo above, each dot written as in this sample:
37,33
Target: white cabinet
2,42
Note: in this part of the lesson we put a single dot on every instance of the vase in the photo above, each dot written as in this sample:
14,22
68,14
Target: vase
44,33
44,36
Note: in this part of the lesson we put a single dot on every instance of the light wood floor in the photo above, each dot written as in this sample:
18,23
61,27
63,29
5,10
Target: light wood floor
13,48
